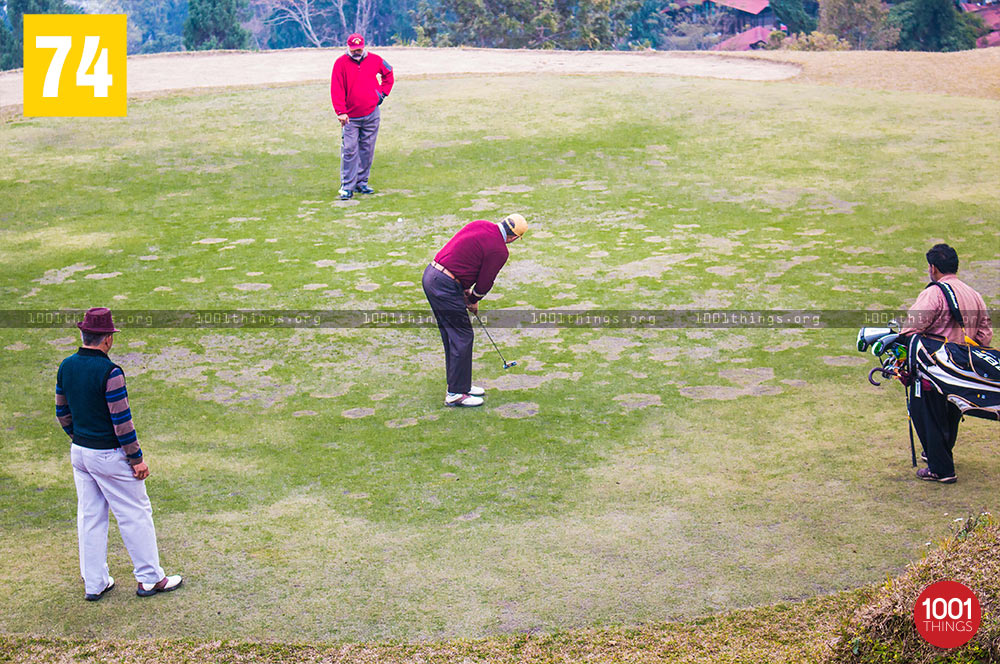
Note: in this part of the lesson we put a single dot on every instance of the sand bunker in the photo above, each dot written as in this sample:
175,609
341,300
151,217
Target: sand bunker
517,410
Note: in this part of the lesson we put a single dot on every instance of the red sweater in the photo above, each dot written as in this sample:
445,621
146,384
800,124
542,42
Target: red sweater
475,256
353,87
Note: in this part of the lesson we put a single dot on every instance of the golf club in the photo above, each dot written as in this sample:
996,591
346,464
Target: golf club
506,364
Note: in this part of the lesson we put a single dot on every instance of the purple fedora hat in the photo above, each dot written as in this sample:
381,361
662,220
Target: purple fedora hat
98,321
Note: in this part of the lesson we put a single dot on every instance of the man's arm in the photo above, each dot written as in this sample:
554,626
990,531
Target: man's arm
387,80
984,333
338,95
121,417
487,276
63,414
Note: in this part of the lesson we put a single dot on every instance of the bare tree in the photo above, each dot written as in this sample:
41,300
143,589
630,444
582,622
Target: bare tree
323,22
309,15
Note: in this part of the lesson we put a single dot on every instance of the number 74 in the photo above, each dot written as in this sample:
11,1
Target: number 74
100,80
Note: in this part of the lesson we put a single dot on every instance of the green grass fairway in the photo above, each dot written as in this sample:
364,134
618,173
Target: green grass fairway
310,484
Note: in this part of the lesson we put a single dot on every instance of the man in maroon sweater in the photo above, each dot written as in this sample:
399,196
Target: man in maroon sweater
460,275
359,83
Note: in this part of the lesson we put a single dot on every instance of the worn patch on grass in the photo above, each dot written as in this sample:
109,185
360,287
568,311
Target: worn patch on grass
784,266
517,410
611,348
654,266
60,275
251,286
402,423
355,413
749,381
17,345
638,401
844,360
527,382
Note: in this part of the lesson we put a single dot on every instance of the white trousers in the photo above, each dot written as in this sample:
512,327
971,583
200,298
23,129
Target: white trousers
104,480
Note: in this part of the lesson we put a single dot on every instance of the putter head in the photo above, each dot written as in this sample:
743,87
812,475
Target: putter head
508,365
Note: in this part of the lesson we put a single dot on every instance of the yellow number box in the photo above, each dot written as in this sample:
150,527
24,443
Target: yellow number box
74,65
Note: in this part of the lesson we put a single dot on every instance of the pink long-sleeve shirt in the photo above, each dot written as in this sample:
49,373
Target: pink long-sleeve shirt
930,314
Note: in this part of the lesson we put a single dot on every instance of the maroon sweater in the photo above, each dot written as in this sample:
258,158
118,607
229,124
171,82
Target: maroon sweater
475,256
354,89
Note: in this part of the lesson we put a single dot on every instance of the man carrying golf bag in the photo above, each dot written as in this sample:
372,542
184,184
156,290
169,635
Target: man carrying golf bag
460,275
934,417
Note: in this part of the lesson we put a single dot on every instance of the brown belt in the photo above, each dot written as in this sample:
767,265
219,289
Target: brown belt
445,271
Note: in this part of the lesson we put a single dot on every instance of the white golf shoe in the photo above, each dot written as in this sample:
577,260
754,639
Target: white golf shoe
462,400
164,585
477,391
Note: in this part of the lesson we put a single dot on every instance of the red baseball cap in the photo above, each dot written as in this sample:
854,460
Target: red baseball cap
355,41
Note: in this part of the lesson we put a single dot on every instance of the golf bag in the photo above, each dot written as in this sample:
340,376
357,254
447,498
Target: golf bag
968,376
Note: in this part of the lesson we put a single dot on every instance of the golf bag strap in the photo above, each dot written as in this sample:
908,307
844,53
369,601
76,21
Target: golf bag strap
913,450
952,300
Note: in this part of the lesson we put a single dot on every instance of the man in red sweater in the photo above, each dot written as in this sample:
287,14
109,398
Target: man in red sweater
358,85
460,275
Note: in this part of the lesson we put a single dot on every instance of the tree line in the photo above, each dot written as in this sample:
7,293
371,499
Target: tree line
173,25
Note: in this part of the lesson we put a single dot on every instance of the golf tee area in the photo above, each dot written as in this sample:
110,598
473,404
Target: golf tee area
693,493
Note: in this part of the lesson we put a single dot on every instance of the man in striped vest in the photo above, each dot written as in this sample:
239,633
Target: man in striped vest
108,466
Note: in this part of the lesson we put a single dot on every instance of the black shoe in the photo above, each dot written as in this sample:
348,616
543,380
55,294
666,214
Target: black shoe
345,195
926,474
92,597
364,189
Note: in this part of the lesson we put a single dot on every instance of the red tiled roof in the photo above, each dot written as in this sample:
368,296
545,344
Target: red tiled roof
744,40
992,39
748,6
990,16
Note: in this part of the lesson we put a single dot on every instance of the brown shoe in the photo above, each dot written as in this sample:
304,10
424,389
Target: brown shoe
164,585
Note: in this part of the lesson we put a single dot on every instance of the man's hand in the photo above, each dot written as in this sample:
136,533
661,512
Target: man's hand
140,471
472,306
343,119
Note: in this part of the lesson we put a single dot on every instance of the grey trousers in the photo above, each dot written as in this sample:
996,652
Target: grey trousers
357,149
104,480
448,304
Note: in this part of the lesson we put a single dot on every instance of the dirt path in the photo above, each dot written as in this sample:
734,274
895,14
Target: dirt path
968,73
176,71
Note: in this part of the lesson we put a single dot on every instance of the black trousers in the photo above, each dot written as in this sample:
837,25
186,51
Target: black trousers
448,304
935,420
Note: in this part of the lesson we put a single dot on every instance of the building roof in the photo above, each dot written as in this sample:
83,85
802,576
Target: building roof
748,6
989,13
745,40
992,39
